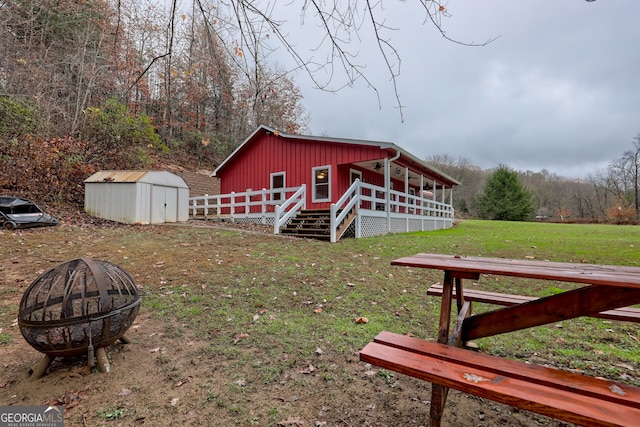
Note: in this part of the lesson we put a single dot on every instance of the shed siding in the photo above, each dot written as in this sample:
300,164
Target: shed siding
113,201
142,204
128,197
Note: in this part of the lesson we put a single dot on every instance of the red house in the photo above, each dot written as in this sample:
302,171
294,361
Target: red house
328,187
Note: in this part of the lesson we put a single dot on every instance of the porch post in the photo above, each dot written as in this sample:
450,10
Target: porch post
264,205
407,209
387,192
451,203
406,181
421,195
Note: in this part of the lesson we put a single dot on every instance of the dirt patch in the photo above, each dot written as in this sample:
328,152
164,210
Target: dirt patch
161,380
172,374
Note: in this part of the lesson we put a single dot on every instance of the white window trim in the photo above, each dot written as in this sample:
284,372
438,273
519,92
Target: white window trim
314,199
284,183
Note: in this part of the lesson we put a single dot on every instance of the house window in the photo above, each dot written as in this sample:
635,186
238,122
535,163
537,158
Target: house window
277,182
322,184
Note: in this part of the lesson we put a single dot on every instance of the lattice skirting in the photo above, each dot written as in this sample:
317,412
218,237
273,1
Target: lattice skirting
377,226
268,220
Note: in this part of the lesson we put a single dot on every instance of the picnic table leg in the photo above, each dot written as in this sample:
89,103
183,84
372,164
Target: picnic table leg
459,293
438,392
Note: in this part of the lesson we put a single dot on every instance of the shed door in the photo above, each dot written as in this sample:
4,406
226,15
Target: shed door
164,204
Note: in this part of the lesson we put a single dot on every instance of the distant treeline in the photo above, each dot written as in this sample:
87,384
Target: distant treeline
610,196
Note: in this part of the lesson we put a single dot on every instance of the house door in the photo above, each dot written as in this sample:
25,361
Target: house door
164,204
356,174
353,175
278,181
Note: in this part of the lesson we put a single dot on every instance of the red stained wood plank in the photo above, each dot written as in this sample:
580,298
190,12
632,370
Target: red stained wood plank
542,311
594,274
576,383
514,391
628,314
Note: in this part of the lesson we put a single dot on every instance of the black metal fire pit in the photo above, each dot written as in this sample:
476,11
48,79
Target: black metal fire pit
77,307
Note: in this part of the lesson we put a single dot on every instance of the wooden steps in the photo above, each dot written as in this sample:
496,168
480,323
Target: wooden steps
314,224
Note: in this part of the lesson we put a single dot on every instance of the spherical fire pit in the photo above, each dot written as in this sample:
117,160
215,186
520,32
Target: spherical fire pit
76,307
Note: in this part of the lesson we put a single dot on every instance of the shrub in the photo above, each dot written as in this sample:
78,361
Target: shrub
17,118
620,214
112,133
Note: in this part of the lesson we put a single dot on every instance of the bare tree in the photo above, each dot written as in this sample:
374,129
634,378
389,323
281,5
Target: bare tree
623,177
55,53
633,161
339,23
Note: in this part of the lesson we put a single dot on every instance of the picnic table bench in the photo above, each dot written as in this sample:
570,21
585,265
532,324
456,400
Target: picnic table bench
567,396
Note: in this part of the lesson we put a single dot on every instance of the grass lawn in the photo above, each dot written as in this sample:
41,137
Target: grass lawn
260,306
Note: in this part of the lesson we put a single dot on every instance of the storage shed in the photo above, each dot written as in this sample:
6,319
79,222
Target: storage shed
137,197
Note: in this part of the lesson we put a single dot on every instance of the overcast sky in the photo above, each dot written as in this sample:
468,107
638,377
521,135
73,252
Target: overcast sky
559,89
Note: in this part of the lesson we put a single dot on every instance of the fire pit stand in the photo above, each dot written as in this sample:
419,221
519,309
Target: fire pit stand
78,307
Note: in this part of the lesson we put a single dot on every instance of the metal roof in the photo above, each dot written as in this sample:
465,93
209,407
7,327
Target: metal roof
149,177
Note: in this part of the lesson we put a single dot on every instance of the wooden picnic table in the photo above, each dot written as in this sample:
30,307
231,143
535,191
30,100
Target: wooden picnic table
605,287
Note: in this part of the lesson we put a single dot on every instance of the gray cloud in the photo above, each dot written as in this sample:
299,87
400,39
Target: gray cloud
558,90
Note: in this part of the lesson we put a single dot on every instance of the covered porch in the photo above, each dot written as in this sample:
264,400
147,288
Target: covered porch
363,210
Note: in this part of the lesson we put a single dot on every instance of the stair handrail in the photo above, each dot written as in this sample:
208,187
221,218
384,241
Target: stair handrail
352,195
300,200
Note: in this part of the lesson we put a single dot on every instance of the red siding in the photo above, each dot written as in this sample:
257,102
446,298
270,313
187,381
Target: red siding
268,153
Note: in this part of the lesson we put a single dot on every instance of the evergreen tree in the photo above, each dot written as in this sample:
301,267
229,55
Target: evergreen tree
504,198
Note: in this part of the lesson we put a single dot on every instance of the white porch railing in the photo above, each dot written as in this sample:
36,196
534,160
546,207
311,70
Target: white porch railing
290,208
378,211
249,206
343,207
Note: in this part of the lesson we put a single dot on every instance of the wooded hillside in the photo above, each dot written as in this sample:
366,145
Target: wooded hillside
102,84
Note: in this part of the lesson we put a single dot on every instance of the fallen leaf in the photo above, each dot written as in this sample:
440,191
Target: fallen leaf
240,337
182,382
308,370
291,422
617,390
475,378
362,320
318,310
624,365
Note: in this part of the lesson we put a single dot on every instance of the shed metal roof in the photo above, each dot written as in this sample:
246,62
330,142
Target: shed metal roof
149,177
